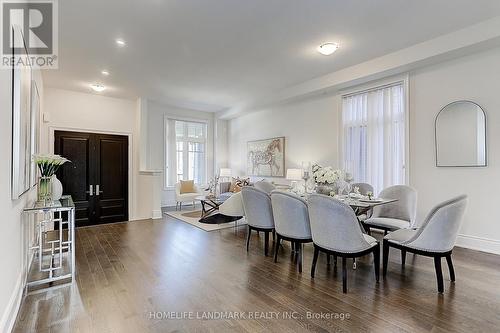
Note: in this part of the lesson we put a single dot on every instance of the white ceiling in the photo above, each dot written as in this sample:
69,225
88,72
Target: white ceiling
213,54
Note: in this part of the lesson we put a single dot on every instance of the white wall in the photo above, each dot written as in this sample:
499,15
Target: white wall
310,128
311,131
78,111
156,114
13,239
475,78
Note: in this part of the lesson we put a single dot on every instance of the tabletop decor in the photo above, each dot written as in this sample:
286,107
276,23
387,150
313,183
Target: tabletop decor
48,166
331,181
212,187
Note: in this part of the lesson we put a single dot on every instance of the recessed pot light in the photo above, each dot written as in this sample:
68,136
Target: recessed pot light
97,87
120,42
328,48
104,72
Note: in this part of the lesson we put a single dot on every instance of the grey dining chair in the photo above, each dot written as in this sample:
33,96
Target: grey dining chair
435,238
335,230
264,186
291,222
400,214
258,213
364,188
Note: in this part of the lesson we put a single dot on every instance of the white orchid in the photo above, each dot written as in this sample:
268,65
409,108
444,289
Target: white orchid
49,164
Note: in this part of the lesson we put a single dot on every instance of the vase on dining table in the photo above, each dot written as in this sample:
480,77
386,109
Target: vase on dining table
326,188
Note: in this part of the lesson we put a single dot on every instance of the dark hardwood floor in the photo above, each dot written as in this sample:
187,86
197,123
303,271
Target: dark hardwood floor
131,275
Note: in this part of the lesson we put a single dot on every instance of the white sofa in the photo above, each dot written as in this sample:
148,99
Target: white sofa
185,197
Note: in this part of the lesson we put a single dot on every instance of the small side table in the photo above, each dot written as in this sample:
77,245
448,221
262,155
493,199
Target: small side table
52,250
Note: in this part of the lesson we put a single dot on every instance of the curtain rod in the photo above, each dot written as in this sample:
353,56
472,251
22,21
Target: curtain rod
392,84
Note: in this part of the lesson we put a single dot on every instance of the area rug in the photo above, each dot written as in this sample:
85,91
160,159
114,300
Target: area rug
193,217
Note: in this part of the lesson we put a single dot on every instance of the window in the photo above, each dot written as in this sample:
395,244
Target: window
374,137
186,151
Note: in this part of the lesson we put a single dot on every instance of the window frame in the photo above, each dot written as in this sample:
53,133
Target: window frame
379,84
166,120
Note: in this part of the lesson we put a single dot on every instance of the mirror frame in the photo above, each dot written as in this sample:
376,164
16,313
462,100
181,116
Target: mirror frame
485,137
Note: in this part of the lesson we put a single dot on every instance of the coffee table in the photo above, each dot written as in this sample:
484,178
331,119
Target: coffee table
209,204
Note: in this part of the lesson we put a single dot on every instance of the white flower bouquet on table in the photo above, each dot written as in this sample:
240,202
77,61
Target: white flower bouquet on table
331,181
48,166
326,175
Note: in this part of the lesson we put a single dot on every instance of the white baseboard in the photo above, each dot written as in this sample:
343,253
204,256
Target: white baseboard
156,214
9,316
479,243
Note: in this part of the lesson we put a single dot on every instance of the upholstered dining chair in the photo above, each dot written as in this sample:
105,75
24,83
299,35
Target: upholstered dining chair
335,230
435,238
264,186
364,188
291,222
400,214
258,213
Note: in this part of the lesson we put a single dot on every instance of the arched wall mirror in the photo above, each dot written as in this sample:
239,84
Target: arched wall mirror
461,135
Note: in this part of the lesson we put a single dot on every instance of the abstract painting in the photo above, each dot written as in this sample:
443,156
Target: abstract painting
266,158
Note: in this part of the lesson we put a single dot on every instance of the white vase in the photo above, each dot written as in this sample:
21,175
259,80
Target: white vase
57,189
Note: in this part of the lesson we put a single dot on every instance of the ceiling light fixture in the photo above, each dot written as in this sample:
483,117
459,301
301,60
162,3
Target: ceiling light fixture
120,42
328,48
105,72
97,87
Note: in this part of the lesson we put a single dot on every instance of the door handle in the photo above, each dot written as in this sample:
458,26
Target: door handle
90,192
97,192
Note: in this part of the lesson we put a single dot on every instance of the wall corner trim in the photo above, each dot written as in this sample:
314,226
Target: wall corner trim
10,314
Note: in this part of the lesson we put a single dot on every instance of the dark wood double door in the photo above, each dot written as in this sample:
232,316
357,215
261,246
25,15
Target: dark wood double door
97,177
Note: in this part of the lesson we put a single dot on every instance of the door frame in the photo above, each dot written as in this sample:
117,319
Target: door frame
51,138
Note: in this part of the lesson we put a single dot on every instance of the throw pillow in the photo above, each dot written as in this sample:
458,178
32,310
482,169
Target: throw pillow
238,183
187,186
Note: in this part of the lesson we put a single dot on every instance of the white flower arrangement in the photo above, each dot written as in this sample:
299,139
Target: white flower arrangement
49,164
326,175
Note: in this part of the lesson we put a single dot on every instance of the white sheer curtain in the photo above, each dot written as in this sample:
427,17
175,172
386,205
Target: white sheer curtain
374,136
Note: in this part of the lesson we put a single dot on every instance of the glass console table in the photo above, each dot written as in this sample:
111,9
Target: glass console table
52,247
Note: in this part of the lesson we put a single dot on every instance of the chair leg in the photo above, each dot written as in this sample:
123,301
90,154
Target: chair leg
266,242
450,267
385,260
301,251
334,261
439,273
403,258
327,259
274,236
276,248
315,259
249,233
376,261
180,205
344,275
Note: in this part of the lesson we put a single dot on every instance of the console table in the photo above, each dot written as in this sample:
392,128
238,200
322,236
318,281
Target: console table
52,248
